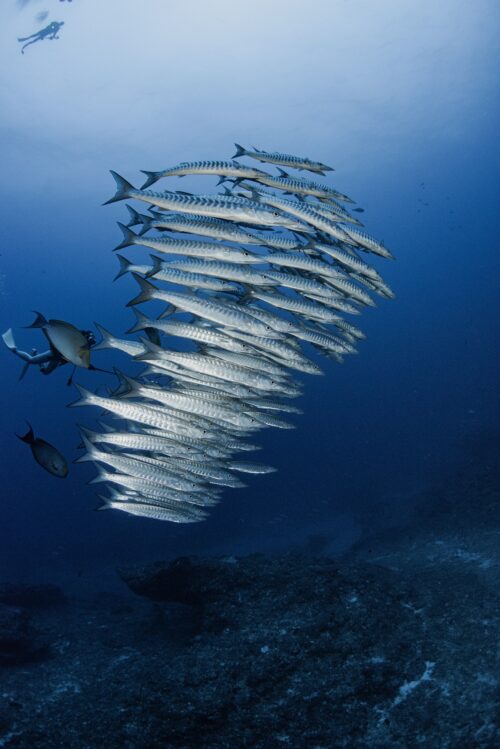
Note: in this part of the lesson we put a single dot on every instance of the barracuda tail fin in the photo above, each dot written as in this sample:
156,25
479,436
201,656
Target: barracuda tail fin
240,151
146,293
89,447
102,475
89,434
128,386
135,217
157,266
129,237
38,322
86,398
123,189
152,177
106,503
125,266
153,336
152,351
146,224
141,323
107,338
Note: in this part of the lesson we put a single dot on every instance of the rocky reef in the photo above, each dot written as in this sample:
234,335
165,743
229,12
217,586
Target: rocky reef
393,645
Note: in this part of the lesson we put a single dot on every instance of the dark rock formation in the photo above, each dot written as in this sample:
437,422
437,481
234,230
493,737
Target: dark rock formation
31,596
19,640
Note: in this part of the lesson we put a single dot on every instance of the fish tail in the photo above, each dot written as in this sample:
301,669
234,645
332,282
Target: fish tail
130,387
107,338
106,503
152,177
29,437
129,237
153,335
240,151
146,224
124,267
89,447
101,476
141,322
157,266
123,189
38,322
89,434
146,293
152,351
135,216
87,398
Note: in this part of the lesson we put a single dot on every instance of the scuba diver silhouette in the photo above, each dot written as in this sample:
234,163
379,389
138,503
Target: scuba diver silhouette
47,361
49,32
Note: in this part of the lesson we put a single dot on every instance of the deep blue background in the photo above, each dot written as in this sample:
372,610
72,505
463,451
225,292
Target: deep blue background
376,430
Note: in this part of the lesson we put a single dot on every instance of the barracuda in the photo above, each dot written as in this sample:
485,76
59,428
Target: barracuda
217,206
189,247
283,159
217,168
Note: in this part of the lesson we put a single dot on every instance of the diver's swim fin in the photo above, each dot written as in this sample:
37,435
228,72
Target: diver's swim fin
8,339
23,371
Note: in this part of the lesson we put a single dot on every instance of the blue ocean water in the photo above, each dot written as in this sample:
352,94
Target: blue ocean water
401,100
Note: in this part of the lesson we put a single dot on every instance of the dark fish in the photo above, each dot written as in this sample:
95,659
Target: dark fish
359,210
46,454
65,339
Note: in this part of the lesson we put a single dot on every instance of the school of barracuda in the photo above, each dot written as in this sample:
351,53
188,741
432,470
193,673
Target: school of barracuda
267,273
